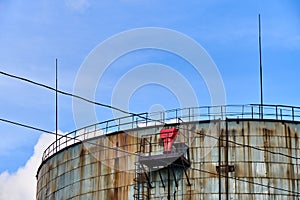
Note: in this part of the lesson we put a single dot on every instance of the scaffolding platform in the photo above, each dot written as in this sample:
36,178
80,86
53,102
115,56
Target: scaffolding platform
176,159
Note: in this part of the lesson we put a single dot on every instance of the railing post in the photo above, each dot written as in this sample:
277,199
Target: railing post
132,121
293,113
243,111
136,122
252,111
281,114
276,112
106,127
221,112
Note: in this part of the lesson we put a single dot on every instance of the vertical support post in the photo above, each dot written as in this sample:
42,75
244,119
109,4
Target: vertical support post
132,121
149,187
243,111
56,107
260,68
169,184
220,181
138,186
106,128
221,112
226,162
150,145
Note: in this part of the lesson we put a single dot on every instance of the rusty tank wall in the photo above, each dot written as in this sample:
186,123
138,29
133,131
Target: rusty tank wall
263,157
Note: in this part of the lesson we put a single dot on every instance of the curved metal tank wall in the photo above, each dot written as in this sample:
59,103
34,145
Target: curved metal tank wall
264,156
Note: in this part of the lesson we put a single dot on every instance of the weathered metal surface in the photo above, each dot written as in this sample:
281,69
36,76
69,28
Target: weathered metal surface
265,156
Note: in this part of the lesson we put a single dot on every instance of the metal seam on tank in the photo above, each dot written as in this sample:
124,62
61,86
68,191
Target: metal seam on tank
292,173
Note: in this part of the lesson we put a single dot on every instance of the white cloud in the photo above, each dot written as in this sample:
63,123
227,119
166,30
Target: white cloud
77,5
21,185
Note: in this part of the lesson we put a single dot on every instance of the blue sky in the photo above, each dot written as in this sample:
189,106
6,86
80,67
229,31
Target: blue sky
33,34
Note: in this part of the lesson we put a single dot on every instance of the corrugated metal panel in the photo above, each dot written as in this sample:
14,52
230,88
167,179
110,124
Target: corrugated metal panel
265,155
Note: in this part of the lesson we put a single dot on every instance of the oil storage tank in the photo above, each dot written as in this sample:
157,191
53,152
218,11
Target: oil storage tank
218,152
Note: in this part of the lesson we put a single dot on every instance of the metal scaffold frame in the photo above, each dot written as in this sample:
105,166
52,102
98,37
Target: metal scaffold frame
149,162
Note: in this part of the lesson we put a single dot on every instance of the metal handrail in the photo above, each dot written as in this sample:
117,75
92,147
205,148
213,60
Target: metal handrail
248,111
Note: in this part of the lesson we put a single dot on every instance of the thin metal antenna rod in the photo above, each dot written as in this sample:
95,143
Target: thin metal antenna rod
260,68
56,107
